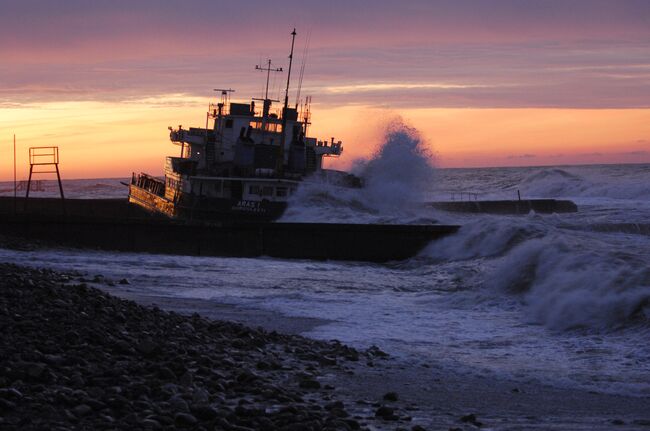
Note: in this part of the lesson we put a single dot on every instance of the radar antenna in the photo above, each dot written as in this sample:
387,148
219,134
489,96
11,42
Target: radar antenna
225,94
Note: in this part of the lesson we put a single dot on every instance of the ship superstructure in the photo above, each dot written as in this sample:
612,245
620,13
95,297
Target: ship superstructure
248,160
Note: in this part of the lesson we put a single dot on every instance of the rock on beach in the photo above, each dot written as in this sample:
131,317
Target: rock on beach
77,358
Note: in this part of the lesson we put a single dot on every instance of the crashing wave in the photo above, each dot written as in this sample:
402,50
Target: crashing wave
560,183
394,179
565,286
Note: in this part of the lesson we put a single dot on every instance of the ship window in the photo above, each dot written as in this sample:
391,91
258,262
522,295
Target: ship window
281,191
269,126
267,191
229,123
172,183
254,190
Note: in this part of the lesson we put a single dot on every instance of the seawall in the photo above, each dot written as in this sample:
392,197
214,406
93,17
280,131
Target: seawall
524,206
116,225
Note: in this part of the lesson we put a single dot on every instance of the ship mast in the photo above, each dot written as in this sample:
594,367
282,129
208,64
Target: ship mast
268,69
286,93
286,105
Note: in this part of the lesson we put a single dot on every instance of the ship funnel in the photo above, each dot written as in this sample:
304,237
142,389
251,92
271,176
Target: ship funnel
267,108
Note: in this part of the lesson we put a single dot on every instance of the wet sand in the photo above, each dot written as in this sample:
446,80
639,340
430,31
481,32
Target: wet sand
254,318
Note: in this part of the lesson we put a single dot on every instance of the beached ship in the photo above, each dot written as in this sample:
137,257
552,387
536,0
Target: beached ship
245,164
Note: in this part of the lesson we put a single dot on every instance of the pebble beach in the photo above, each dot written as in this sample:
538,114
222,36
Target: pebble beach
74,357
79,352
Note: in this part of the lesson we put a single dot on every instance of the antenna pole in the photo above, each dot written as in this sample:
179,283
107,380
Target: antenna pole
268,75
286,106
302,69
15,188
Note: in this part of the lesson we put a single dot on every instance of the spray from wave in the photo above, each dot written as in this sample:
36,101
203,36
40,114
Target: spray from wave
394,180
400,171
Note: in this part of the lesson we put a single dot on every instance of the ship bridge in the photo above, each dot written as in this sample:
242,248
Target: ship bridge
246,139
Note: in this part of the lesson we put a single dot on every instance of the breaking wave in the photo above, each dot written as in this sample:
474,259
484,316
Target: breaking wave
488,237
566,286
565,279
394,181
561,183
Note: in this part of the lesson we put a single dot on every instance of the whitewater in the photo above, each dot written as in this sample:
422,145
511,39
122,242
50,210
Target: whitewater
561,299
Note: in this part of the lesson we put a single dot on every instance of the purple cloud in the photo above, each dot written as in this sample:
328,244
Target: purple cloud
460,53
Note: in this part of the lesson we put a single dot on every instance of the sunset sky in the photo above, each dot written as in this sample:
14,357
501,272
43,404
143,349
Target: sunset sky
487,83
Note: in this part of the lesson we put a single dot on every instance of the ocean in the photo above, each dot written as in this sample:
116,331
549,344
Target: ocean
561,299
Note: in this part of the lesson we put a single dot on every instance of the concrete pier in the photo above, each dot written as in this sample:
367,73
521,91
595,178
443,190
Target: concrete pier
101,225
524,206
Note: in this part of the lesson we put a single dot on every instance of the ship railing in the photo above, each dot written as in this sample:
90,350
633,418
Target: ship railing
329,149
463,195
213,110
148,183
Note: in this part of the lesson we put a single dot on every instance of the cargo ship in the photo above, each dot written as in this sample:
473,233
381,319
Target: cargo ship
245,164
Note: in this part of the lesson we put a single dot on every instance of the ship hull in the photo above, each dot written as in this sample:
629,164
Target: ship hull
201,208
